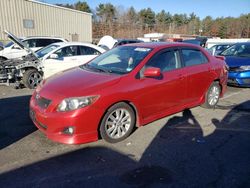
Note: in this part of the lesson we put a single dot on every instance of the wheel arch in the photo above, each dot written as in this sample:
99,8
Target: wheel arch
30,68
4,58
128,102
219,82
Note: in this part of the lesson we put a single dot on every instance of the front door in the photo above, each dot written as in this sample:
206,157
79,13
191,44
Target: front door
66,58
157,95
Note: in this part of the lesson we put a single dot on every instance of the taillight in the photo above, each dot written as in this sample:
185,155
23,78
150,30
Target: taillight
220,57
225,68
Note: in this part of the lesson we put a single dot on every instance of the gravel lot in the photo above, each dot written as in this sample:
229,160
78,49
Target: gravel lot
195,148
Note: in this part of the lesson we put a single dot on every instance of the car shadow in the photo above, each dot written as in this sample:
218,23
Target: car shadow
14,120
180,155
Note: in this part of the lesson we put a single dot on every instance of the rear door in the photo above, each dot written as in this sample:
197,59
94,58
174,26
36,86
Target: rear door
198,71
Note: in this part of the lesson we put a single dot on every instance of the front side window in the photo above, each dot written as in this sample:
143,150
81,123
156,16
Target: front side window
166,61
120,60
67,51
193,57
42,52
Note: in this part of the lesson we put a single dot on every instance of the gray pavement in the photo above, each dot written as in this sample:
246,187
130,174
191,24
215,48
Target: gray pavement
194,148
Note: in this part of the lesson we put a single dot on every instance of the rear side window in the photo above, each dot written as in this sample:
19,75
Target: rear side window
31,43
67,51
46,42
193,57
85,50
166,61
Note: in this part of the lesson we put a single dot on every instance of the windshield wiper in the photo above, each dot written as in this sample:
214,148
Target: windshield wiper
97,68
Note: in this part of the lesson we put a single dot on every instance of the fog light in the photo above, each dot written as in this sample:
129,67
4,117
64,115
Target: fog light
69,130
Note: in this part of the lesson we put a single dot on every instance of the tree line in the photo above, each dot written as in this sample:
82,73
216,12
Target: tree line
121,22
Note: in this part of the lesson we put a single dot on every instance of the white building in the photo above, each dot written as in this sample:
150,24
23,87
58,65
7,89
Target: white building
33,18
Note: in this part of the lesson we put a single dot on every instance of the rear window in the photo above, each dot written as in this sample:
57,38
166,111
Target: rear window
193,57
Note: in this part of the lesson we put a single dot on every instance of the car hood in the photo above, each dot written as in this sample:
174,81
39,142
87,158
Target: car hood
78,82
237,61
17,61
14,39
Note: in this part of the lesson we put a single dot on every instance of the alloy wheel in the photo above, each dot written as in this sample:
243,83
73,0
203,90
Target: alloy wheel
213,95
118,123
34,79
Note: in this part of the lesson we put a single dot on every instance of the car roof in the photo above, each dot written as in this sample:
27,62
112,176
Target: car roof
242,43
120,40
44,37
159,45
64,44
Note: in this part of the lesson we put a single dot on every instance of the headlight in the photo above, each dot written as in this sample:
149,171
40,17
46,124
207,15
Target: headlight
246,67
76,103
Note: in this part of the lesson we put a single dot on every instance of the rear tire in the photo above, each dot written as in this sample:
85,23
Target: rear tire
212,95
32,78
118,123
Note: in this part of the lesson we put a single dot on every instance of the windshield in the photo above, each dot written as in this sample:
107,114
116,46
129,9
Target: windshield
42,52
239,50
120,60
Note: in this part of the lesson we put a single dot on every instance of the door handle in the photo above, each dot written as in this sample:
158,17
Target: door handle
181,77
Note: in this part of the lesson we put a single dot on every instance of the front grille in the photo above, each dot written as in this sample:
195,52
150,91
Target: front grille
234,69
42,102
232,81
33,117
246,80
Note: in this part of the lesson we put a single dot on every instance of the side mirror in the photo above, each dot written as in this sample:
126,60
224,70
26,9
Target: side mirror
152,72
53,56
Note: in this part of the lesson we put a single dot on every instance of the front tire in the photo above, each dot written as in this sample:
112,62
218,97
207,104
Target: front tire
212,95
3,59
118,123
32,78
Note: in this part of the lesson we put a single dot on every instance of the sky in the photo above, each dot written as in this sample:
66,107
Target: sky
202,8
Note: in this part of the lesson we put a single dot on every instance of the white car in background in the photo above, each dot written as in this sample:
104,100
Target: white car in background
11,50
61,56
31,69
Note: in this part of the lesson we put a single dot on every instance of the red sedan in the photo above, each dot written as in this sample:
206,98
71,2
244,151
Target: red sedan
125,87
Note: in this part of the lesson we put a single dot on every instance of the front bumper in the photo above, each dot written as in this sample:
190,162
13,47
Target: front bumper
52,123
239,78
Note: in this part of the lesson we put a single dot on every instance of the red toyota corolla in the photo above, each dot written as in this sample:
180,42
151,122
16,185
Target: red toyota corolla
125,87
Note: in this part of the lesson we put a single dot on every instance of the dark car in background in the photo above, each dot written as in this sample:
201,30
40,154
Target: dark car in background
126,41
193,41
218,48
107,42
237,58
200,41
